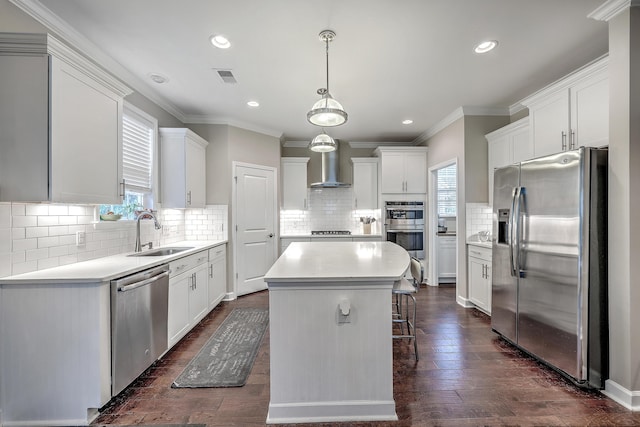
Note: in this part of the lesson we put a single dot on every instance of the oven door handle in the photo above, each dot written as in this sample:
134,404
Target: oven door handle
406,230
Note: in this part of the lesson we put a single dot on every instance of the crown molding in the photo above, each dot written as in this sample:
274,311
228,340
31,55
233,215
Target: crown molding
372,144
516,108
196,119
611,9
43,15
457,114
295,144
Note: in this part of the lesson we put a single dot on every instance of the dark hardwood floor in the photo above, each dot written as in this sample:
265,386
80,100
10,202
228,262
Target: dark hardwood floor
466,376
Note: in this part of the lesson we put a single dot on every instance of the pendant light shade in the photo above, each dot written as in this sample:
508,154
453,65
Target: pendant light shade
327,111
323,143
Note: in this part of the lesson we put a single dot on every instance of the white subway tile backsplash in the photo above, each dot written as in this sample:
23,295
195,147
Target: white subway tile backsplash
40,235
25,244
479,218
24,221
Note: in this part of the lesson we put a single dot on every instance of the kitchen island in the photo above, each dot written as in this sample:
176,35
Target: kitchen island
330,331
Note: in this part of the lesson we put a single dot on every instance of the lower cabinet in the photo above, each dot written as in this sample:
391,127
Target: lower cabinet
479,270
188,294
217,275
446,259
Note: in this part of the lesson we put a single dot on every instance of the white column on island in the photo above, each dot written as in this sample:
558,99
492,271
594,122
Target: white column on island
327,366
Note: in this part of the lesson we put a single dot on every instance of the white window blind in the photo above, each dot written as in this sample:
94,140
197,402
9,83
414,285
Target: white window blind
446,192
137,152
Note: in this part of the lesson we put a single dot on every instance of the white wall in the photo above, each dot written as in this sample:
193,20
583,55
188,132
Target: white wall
624,206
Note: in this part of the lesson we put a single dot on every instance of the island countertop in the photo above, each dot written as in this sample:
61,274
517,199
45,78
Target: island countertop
339,261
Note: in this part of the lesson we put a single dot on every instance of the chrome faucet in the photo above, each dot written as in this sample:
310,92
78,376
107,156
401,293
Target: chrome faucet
145,215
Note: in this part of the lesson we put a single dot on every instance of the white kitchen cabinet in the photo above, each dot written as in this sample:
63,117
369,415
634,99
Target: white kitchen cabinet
479,270
183,168
294,182
365,182
403,169
507,145
188,294
61,121
217,275
572,112
446,258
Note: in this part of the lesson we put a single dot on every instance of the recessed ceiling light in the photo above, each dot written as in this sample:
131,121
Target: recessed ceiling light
486,46
220,41
407,122
158,78
253,104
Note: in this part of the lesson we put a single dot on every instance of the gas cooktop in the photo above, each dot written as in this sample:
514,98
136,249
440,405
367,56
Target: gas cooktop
330,232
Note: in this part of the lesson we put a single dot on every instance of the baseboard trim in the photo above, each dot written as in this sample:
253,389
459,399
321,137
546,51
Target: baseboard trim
464,302
627,398
324,412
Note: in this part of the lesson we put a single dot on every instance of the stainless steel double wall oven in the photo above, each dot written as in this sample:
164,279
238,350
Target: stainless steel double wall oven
404,225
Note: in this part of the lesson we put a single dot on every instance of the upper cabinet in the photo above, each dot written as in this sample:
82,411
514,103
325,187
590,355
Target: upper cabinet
183,168
294,182
403,169
572,112
508,145
61,121
365,182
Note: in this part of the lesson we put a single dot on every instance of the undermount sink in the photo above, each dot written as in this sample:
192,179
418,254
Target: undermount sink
162,251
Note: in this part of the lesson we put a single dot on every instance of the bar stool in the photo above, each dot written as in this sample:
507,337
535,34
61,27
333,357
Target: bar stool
405,303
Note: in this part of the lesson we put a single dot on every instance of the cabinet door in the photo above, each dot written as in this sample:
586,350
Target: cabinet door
415,172
294,184
549,123
365,185
199,292
590,112
24,128
178,321
392,173
217,279
478,292
521,146
446,257
499,155
195,175
86,138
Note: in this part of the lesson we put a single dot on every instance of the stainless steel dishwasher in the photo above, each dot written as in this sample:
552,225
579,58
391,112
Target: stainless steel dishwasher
139,306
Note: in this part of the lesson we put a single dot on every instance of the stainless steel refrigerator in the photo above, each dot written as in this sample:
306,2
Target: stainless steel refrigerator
549,285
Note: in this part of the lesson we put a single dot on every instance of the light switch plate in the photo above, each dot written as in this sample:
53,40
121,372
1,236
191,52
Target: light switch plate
81,238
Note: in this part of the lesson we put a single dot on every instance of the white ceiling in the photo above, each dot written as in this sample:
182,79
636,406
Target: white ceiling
391,59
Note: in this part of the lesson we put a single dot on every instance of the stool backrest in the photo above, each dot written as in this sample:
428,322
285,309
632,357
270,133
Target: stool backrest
417,271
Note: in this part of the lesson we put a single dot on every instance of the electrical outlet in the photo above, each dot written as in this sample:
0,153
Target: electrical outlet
81,238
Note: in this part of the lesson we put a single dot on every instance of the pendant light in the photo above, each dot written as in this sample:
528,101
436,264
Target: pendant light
327,111
323,143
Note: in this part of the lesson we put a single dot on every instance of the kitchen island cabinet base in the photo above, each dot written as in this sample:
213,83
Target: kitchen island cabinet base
338,371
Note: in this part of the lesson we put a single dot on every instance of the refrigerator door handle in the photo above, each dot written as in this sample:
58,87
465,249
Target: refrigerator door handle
514,233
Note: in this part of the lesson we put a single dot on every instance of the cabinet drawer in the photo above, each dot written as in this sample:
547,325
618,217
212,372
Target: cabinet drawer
219,252
478,252
187,263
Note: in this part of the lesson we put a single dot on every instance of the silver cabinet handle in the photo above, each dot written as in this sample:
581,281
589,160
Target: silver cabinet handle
304,203
211,271
356,203
572,140
564,141
123,188
189,197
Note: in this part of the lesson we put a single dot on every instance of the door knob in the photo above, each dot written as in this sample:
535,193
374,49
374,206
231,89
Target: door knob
270,234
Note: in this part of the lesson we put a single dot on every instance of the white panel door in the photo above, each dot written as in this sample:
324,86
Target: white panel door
549,125
255,213
590,112
415,172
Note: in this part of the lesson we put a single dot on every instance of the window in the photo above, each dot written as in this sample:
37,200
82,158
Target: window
447,179
139,134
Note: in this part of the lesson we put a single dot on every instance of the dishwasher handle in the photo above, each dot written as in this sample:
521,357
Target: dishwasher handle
143,283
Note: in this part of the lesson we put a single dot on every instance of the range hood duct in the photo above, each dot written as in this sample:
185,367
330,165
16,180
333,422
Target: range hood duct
330,171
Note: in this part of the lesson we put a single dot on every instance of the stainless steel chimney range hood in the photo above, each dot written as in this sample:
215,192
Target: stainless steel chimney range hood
330,172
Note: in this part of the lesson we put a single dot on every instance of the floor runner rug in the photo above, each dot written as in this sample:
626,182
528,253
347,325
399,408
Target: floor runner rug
227,357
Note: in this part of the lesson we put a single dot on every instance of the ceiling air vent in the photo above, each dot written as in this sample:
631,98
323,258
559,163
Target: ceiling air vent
226,76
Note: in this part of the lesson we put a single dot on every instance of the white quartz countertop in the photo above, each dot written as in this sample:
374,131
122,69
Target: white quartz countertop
107,268
339,261
336,236
479,243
